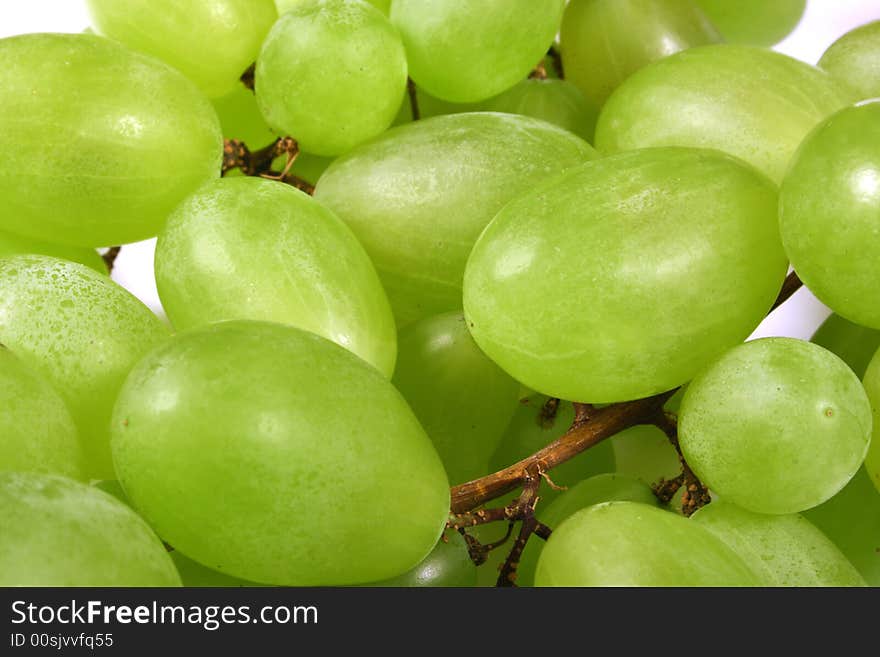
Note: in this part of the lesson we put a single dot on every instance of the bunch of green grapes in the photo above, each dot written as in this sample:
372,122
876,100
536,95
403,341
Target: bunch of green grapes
514,229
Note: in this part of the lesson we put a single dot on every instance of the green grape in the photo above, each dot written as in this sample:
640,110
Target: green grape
555,101
652,238
644,452
418,197
749,102
782,550
633,544
289,452
462,399
138,137
212,42
192,573
240,118
854,344
603,42
470,50
828,208
872,386
755,22
58,532
531,428
249,248
595,490
82,333
12,244
854,59
37,433
114,488
331,73
430,106
448,565
851,519
775,425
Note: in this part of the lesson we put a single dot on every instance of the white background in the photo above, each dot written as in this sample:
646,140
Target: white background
823,22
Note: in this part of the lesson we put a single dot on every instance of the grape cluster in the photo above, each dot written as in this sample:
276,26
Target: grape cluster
507,222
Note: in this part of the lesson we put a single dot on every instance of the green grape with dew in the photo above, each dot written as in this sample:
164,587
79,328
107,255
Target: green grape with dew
289,450
606,487
749,102
81,332
212,42
668,231
418,197
854,344
331,73
555,101
851,519
59,532
37,433
872,386
775,425
462,399
632,544
754,22
533,427
782,550
137,138
828,208
249,248
452,55
854,59
448,565
12,244
603,42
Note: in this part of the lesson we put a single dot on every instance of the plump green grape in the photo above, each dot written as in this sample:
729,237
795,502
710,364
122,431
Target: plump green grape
782,550
603,42
463,400
851,519
137,135
448,565
532,427
854,59
633,544
872,386
418,197
555,101
855,344
828,208
749,102
775,425
37,433
644,452
12,244
595,490
331,73
470,50
82,333
58,532
289,451
248,248
667,229
755,22
212,42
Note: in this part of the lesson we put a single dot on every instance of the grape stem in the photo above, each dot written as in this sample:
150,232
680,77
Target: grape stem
539,72
109,256
236,155
556,57
248,78
696,494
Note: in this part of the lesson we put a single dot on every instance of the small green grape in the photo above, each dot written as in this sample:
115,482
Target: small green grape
463,400
755,22
775,425
448,565
854,59
854,344
331,73
58,532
